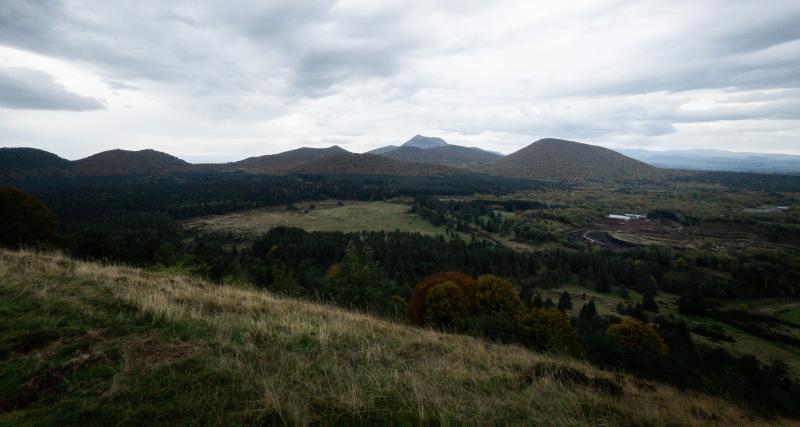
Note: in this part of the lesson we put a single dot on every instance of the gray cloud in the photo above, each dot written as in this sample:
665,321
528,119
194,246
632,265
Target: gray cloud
22,88
377,72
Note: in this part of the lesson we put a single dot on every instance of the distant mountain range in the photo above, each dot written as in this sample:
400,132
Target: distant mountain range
717,160
546,159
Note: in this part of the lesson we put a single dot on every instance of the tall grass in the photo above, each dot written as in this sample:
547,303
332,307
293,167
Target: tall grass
178,349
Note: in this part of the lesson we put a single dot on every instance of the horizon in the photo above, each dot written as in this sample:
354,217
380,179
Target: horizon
207,81
209,159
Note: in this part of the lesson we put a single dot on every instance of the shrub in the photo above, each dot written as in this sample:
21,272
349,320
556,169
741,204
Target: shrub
446,306
548,329
417,306
637,335
495,295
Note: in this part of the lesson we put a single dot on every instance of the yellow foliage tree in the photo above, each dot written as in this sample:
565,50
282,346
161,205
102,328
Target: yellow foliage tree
495,295
446,306
635,334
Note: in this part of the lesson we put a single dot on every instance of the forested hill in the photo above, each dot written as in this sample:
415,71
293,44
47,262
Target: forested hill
568,160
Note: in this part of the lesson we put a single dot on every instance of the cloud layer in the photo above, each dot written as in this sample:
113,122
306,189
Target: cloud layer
222,80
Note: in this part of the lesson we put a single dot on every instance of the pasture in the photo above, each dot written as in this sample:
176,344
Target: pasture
350,216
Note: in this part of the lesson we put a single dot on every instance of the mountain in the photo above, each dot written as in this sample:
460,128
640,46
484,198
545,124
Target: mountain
124,162
420,141
447,155
370,164
557,159
719,160
424,149
383,150
276,164
21,163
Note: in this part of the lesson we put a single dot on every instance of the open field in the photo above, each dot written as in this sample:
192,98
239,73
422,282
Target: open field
326,216
83,343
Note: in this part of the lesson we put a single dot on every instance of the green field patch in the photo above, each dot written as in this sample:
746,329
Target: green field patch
792,315
349,216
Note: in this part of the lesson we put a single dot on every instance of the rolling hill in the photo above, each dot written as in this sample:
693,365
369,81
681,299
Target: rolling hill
91,344
276,164
124,162
430,150
557,159
447,155
21,163
369,164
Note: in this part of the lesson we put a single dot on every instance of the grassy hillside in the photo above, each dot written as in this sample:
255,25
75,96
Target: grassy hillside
82,343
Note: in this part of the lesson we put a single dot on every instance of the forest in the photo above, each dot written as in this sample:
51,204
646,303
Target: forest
466,282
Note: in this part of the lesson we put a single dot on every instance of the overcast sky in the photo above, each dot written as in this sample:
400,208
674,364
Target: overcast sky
223,80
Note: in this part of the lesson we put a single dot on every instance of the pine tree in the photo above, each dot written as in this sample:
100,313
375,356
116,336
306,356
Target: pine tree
565,301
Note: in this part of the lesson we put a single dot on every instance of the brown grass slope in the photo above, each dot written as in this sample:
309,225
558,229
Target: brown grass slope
370,164
83,343
448,155
557,159
124,162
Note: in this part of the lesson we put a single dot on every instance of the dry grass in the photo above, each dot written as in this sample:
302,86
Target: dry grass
300,362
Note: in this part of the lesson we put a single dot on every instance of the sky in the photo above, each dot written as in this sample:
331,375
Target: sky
224,80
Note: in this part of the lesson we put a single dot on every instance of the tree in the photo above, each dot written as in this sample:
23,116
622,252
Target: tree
565,301
446,306
548,329
636,335
649,302
495,295
24,220
537,301
360,282
416,311
588,313
692,303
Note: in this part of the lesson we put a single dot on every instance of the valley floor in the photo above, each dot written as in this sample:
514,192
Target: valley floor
83,343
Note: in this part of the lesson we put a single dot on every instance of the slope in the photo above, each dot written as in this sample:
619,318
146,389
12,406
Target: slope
447,155
83,343
276,164
124,162
21,163
558,159
369,164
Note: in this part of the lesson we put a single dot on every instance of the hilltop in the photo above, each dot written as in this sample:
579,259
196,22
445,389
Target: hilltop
559,159
430,150
20,163
124,162
284,162
83,343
